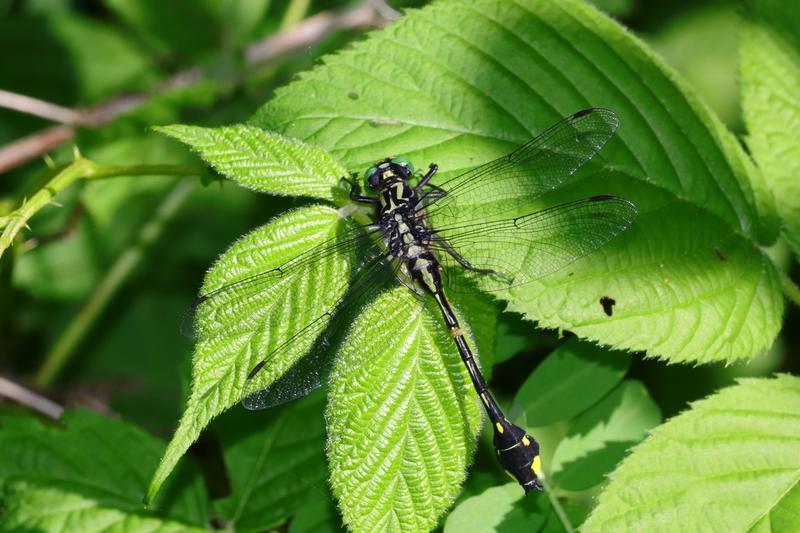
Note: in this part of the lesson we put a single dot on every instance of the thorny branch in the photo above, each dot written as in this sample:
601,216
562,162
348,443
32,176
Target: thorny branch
368,14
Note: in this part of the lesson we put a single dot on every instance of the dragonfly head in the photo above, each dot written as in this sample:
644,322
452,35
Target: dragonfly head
388,171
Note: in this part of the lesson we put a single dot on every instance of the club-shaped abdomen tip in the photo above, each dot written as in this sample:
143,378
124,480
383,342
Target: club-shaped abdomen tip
518,454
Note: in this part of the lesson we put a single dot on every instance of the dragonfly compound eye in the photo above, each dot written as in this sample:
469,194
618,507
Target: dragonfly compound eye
403,161
371,177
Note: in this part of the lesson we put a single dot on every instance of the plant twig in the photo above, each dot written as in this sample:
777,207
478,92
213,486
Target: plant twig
368,14
15,221
39,108
21,395
313,29
32,146
125,264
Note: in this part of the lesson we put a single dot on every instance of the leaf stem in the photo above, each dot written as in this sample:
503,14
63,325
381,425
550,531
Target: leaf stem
126,263
562,516
790,288
80,168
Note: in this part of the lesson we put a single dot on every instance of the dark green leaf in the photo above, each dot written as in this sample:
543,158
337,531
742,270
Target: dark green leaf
571,379
600,437
99,465
275,460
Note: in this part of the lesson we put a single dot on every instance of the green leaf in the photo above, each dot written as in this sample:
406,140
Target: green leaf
235,337
510,337
571,379
503,509
106,62
769,48
48,509
263,161
98,465
599,438
710,70
317,515
402,418
275,458
460,83
730,463
186,27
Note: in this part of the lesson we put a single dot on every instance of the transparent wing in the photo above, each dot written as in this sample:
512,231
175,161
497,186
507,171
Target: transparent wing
542,164
311,370
522,249
221,312
249,319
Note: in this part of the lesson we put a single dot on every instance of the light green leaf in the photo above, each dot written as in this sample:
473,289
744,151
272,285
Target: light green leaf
274,458
459,83
599,438
238,331
730,463
571,379
503,509
402,418
769,48
685,292
263,161
49,509
98,465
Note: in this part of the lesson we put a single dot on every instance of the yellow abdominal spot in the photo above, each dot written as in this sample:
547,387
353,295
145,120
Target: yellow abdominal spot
499,427
536,466
525,441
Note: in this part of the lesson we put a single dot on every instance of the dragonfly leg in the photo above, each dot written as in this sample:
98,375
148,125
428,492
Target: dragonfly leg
461,261
427,177
355,191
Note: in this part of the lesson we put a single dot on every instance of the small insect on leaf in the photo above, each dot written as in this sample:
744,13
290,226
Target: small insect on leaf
608,304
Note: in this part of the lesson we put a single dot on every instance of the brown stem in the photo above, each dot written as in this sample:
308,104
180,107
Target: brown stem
368,14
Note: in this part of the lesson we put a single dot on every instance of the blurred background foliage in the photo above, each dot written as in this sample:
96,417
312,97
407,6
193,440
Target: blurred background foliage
96,294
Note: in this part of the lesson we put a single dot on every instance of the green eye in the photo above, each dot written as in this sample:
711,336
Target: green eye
403,160
369,172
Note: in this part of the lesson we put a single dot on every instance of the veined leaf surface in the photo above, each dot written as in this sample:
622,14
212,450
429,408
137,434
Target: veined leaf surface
730,463
460,83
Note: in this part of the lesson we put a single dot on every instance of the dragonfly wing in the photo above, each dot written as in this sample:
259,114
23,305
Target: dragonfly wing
249,311
544,163
522,249
224,311
269,384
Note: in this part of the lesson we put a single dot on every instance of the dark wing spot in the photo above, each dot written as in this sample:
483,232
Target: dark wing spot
608,304
720,254
601,197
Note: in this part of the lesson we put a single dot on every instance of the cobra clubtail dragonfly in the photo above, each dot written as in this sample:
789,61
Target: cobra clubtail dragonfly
469,231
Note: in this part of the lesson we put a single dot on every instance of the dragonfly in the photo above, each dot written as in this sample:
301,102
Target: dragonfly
475,231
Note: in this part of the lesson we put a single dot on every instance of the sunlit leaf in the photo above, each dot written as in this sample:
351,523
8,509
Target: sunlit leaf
459,83
402,418
730,463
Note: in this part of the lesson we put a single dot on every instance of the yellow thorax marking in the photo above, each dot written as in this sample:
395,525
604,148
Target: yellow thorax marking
499,427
